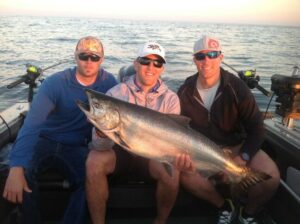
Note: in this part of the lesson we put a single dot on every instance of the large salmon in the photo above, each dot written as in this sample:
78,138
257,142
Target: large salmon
161,137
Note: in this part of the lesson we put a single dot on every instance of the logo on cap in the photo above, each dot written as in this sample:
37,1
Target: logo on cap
207,43
154,47
92,46
213,43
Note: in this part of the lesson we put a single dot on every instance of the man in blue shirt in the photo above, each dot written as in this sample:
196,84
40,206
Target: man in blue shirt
55,134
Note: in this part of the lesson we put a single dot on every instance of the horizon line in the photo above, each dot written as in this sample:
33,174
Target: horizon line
154,20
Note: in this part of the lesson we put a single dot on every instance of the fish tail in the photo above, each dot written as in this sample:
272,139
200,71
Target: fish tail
251,178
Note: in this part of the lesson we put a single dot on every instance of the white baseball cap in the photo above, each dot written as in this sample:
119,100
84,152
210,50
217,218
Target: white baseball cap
207,43
152,48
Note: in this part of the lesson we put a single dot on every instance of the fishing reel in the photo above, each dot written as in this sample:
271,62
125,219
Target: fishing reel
32,73
249,77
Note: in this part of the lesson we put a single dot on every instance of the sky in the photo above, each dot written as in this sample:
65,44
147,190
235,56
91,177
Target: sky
271,12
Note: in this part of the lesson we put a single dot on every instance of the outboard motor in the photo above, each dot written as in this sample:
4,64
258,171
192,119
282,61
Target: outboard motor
287,90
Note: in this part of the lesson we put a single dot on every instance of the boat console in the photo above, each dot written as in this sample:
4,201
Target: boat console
286,123
283,138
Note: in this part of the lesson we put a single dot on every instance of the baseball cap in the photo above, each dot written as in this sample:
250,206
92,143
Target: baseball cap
207,43
89,44
152,48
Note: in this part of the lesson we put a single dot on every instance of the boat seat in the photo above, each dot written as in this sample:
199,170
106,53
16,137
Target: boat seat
125,72
126,195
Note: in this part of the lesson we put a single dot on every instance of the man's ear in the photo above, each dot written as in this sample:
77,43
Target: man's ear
75,57
102,59
163,69
221,56
194,60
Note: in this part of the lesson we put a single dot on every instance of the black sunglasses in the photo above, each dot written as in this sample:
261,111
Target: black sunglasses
212,54
147,61
86,57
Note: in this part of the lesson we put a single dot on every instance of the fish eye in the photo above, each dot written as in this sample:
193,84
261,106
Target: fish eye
96,105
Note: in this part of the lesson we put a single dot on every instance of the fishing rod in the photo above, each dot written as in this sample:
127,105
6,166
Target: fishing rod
32,73
251,79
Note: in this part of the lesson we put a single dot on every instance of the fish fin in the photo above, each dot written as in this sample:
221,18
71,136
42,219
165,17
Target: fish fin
182,120
252,177
120,141
207,170
169,168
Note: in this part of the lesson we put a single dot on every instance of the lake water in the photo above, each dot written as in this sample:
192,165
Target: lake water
46,41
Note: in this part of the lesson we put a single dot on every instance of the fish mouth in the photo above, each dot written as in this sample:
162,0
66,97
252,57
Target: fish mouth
83,106
88,111
86,108
101,116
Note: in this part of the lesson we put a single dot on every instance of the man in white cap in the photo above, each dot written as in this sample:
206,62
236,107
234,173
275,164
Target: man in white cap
223,108
145,88
56,134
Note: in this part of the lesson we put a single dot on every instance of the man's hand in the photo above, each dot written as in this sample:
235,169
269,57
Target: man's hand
15,185
239,161
184,163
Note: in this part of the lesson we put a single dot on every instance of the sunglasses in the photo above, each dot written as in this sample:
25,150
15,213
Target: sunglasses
86,57
147,61
211,55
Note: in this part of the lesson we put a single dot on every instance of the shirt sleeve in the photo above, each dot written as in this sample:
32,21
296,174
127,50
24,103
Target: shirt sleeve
99,143
252,121
173,105
43,103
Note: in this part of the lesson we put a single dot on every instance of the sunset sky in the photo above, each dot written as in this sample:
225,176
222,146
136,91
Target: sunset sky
274,12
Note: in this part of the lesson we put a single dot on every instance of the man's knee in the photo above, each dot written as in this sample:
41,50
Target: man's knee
171,183
160,174
262,162
187,177
99,163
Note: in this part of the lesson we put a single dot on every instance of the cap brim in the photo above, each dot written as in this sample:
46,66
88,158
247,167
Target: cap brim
89,52
144,55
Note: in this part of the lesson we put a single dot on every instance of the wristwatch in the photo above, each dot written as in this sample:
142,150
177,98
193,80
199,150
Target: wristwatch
245,156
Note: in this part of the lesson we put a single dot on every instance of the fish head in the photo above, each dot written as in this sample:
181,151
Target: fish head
100,111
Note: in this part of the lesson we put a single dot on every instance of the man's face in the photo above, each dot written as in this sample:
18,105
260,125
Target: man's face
208,63
88,64
148,69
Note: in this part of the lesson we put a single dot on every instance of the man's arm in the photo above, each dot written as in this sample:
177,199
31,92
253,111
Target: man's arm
173,105
23,148
41,107
252,121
